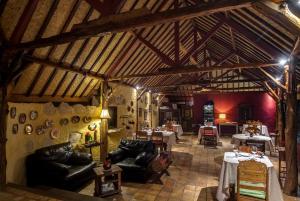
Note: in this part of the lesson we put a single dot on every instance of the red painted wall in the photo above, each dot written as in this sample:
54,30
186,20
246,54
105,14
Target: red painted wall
263,106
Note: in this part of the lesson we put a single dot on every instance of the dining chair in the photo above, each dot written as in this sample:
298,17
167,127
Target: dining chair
252,181
157,138
208,136
142,135
245,149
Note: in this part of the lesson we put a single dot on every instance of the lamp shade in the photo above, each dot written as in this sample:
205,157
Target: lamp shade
104,114
222,116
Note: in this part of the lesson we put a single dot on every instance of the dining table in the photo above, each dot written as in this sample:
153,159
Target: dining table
242,138
264,130
228,175
169,137
177,128
201,131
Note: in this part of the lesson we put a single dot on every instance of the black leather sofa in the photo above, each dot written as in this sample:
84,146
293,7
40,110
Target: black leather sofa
134,157
59,166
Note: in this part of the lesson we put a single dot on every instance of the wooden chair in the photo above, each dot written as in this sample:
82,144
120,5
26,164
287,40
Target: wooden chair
252,181
142,135
245,149
209,137
158,139
282,166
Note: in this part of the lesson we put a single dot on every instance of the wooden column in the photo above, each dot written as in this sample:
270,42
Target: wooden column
104,123
3,139
291,182
280,117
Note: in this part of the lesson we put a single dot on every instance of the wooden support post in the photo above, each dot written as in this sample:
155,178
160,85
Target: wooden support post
280,117
291,182
104,123
3,139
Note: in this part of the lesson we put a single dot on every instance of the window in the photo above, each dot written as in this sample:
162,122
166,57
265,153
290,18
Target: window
113,121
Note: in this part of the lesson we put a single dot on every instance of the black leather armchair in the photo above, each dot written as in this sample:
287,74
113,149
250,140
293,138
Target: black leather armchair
134,157
59,166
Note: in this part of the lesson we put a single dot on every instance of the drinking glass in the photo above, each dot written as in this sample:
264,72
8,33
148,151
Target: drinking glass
235,149
254,150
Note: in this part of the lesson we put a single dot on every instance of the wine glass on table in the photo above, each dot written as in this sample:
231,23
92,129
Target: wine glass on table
235,149
254,150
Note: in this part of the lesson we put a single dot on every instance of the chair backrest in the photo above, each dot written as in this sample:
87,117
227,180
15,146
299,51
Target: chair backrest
142,135
252,180
208,130
157,136
245,149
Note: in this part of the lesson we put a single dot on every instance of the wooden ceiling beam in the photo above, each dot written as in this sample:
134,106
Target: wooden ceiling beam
105,7
271,91
64,67
45,99
272,78
252,37
196,68
131,21
203,41
208,82
163,57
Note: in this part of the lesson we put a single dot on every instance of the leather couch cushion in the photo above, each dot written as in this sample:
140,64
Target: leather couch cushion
77,171
129,163
135,147
80,158
143,158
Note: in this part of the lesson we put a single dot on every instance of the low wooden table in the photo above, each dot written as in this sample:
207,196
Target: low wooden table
107,182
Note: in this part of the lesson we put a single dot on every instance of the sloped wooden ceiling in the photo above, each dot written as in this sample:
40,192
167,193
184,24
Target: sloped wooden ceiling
74,68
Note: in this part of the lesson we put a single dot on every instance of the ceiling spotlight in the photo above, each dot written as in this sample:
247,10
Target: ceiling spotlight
282,62
298,2
137,87
149,91
278,78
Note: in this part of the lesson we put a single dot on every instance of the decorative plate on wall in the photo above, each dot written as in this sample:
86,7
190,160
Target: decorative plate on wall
22,118
28,129
128,108
75,119
49,123
15,128
92,127
54,134
132,110
13,112
40,130
131,103
33,115
64,122
87,119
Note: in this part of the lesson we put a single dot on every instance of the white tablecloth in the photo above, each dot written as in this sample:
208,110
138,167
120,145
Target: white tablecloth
178,129
201,131
169,138
237,138
264,129
228,176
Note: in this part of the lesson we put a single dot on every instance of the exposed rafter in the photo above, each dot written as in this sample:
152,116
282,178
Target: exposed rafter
131,21
195,69
164,58
63,66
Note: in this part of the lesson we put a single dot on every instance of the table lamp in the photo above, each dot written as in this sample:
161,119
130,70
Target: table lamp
222,116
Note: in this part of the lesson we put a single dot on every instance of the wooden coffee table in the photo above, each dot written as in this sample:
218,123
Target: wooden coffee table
107,182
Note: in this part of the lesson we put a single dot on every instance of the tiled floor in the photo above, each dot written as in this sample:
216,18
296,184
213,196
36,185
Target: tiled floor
193,176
